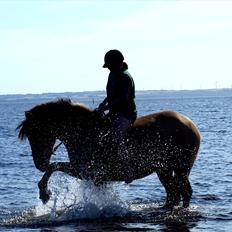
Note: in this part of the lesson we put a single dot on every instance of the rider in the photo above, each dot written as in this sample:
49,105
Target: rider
120,99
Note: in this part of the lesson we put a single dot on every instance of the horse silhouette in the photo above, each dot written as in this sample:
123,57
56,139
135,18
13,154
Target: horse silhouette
164,142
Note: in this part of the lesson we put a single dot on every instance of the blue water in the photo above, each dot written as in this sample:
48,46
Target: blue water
80,206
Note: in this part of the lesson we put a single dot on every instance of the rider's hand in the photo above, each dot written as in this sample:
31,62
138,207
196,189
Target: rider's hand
101,108
99,112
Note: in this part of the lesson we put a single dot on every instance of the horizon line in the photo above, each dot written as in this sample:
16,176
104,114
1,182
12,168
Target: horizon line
87,91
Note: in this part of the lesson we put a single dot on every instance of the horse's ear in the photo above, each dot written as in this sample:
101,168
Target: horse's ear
28,114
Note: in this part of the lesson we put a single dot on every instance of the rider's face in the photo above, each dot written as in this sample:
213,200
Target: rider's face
114,66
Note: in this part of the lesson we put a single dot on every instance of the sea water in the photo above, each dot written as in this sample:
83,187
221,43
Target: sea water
80,206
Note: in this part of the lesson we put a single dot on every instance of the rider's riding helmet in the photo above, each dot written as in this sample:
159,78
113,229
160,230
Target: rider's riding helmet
113,57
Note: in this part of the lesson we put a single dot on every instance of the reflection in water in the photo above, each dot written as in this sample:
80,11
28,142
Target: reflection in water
166,227
180,227
151,218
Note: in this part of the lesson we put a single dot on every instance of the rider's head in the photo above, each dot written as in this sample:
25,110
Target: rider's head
113,59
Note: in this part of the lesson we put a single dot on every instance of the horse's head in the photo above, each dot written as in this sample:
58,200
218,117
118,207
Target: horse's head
41,137
57,119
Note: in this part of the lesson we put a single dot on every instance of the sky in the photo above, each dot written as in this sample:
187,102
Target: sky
59,45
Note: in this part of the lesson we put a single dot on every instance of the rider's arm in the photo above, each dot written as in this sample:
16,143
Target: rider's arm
103,106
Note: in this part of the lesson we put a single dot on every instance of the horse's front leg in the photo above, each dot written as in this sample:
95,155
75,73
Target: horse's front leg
65,167
44,193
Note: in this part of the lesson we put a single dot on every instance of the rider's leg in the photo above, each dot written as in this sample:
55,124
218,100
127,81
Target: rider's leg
120,125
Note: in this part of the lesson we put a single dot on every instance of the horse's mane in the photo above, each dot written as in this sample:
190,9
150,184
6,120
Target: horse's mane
50,110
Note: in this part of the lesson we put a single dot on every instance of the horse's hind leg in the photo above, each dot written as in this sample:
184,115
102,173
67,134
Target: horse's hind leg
172,191
186,191
185,188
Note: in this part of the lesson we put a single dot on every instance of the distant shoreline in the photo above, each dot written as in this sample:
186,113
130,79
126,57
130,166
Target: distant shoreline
137,91
98,95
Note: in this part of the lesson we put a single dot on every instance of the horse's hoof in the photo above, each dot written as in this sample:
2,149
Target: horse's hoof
98,183
168,206
186,204
45,196
128,181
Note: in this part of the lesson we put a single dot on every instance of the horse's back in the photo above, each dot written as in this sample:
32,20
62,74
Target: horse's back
170,123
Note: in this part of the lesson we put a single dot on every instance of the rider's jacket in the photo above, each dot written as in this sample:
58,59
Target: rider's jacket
121,94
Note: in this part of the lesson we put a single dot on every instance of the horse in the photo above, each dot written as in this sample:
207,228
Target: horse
165,143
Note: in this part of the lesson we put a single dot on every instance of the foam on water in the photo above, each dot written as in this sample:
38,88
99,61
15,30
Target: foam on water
155,212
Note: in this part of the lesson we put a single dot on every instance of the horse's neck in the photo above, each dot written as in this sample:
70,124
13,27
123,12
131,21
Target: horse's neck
75,133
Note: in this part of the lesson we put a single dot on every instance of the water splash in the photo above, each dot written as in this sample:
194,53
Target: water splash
71,200
155,212
75,199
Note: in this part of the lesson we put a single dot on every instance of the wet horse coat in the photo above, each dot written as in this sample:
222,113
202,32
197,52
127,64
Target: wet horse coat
165,142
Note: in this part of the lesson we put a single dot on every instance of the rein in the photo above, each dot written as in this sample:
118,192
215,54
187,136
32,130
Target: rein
55,148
